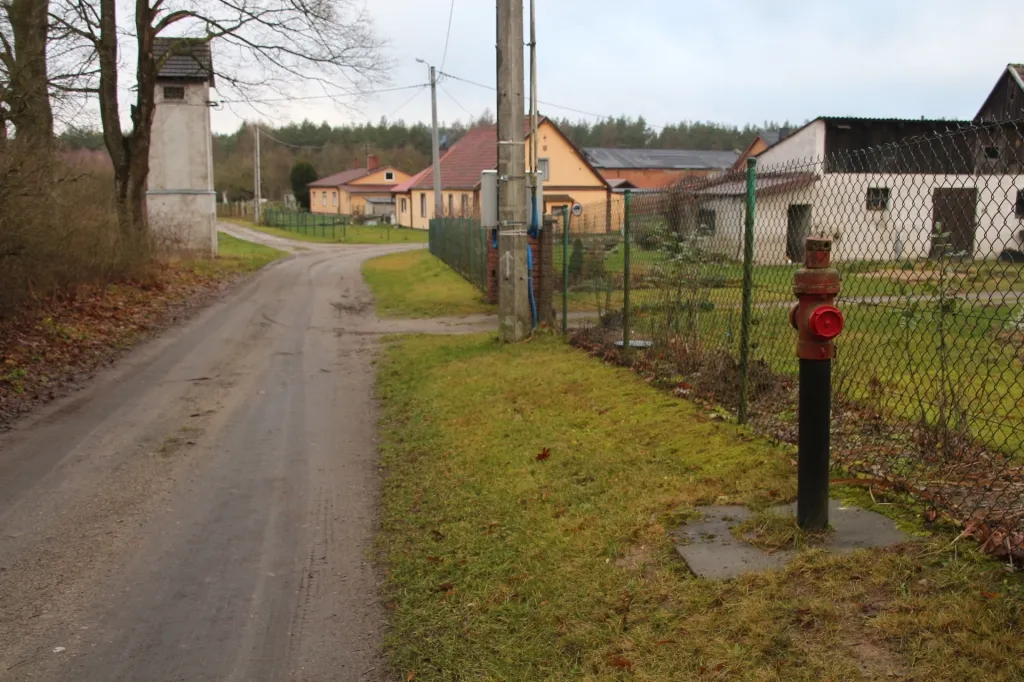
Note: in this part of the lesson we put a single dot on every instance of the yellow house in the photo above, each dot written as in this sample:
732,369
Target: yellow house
568,178
359,191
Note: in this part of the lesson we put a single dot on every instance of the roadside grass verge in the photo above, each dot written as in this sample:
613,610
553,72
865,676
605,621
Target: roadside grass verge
350,234
502,565
416,284
236,256
45,349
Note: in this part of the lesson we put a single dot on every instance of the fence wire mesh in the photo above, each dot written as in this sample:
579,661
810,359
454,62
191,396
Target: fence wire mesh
462,244
927,235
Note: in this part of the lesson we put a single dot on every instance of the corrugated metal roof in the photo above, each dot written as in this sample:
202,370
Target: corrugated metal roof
183,59
677,159
771,137
380,200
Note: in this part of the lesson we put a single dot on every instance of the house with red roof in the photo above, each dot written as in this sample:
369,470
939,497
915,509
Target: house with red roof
569,178
357,191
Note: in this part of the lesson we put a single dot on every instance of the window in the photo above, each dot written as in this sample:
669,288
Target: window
1019,208
465,205
706,220
389,175
405,206
334,198
423,205
878,198
544,169
451,204
323,199
174,92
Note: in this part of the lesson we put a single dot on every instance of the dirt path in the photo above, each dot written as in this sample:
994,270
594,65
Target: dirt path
206,509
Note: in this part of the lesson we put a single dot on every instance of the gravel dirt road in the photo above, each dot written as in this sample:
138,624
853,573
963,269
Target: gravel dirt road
206,509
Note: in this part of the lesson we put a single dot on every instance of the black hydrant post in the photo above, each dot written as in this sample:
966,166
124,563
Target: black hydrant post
818,322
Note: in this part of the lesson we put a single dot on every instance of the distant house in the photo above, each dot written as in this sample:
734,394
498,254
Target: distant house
569,178
761,142
884,189
647,168
357,191
180,198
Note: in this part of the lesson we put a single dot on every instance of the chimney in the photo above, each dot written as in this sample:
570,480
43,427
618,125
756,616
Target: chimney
355,162
372,162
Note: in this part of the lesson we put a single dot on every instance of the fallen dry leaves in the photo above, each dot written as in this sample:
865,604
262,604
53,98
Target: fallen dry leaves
46,350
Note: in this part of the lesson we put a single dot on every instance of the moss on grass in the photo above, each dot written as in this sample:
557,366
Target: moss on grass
501,566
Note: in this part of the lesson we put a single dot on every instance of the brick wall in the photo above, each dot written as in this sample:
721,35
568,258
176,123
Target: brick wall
543,272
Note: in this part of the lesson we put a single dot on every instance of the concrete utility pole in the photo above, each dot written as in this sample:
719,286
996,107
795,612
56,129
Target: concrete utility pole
438,201
515,319
536,194
257,180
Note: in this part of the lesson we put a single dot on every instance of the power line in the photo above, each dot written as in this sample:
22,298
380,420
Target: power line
267,135
540,101
309,97
408,101
448,35
452,97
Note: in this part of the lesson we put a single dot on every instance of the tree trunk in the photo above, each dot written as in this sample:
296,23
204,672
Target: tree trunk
28,90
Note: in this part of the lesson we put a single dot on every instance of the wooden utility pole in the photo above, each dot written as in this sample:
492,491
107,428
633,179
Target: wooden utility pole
515,319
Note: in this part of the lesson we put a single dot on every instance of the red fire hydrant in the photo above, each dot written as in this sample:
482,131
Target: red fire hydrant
818,322
816,317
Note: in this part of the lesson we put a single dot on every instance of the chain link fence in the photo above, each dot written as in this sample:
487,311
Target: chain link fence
692,284
462,244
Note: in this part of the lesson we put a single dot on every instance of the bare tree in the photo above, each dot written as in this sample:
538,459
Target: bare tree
24,96
261,46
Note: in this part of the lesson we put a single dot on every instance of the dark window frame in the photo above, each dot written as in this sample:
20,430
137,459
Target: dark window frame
423,205
389,175
174,92
707,216
877,198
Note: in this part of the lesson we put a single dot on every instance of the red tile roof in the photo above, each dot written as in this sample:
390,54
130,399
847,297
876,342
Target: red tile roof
475,152
341,178
404,187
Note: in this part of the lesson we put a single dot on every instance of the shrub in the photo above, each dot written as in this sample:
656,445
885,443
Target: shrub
576,260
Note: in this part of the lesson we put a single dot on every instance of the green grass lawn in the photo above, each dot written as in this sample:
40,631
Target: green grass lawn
350,234
237,256
416,284
505,566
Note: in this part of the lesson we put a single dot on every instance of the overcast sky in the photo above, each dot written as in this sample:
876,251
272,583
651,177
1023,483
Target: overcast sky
734,61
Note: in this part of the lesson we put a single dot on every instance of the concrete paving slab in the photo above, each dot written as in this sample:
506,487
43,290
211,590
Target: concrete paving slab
710,549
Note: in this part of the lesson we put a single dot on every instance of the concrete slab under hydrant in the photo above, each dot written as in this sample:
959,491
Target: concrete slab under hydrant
710,549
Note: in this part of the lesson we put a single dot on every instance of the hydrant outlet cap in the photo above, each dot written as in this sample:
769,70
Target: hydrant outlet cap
826,322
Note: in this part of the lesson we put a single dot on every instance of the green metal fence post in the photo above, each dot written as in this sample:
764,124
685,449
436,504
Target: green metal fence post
625,274
748,290
566,218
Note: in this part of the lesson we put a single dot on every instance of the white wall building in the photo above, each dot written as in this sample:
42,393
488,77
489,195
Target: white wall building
181,199
882,189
